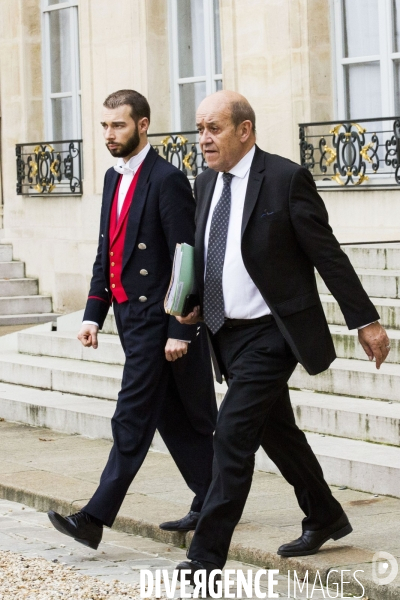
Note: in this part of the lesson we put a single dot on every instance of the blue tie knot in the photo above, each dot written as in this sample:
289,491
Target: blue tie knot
227,178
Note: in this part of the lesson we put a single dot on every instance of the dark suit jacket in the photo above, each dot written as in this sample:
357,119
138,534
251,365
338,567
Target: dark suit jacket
160,216
285,234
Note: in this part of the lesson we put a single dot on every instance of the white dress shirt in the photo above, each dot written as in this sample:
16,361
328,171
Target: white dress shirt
242,298
128,170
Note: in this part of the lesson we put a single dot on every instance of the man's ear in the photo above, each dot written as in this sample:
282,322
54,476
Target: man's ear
245,130
143,125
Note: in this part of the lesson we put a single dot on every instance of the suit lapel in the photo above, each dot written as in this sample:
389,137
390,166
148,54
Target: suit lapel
202,218
256,177
108,197
137,205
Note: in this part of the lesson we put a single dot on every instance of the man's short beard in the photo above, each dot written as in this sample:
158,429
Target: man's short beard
126,149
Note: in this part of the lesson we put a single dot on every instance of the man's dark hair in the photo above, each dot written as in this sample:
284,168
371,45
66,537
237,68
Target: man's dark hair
139,106
242,111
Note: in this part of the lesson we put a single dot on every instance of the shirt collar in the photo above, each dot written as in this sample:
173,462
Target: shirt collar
130,167
243,166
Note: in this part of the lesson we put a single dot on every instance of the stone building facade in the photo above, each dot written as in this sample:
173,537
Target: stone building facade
297,61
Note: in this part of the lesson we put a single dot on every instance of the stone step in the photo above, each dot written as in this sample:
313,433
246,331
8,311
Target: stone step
358,378
356,464
347,344
376,282
22,305
388,308
63,344
18,287
28,319
12,270
374,256
6,252
342,416
84,378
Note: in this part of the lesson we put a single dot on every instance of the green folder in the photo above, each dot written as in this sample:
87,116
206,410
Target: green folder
182,279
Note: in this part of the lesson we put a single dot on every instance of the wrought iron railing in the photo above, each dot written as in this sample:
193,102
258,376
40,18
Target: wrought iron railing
351,153
49,167
181,149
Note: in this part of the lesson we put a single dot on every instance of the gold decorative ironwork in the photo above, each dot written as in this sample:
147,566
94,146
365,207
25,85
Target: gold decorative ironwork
336,178
360,129
364,152
362,177
186,161
54,166
33,166
331,154
335,130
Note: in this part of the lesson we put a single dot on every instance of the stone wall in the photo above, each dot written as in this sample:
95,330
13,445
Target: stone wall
275,52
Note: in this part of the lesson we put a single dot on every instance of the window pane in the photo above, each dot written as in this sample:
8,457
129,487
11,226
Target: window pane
191,38
363,91
361,28
191,94
60,50
397,86
217,38
218,85
51,2
396,25
62,118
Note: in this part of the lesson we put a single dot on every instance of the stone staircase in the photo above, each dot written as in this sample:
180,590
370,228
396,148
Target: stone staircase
20,302
351,412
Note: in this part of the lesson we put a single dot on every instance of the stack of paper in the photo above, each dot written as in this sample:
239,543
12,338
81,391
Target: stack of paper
182,279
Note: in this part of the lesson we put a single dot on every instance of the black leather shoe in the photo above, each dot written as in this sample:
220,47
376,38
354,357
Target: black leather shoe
187,523
311,541
78,526
195,565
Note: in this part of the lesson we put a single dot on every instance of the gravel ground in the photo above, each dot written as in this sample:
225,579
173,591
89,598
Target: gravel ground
39,579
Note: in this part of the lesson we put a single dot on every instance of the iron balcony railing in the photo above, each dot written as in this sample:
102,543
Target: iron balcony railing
46,167
181,149
56,167
352,153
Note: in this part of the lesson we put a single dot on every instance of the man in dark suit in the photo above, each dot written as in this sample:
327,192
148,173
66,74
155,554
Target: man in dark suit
167,382
261,230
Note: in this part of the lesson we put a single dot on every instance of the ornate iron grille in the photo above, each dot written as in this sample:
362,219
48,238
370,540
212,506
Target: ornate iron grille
49,168
350,153
181,149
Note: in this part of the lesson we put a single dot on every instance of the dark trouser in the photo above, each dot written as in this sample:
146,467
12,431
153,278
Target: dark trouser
257,412
148,400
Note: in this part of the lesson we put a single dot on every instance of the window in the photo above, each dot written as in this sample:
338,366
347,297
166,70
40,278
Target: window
367,36
196,62
62,94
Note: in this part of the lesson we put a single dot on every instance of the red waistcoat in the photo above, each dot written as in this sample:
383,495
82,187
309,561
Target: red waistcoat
117,233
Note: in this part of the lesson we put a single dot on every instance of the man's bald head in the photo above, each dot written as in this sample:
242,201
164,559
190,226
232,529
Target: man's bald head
226,123
239,107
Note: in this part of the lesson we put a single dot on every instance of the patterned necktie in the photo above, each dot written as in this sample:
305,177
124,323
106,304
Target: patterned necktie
214,313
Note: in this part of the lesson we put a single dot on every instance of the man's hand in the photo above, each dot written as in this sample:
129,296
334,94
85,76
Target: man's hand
375,342
175,349
192,318
88,336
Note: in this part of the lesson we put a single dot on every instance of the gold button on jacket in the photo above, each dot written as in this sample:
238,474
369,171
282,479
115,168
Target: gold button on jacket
144,272
142,246
142,299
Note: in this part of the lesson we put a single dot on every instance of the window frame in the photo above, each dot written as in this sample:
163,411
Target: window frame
211,78
386,58
75,92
